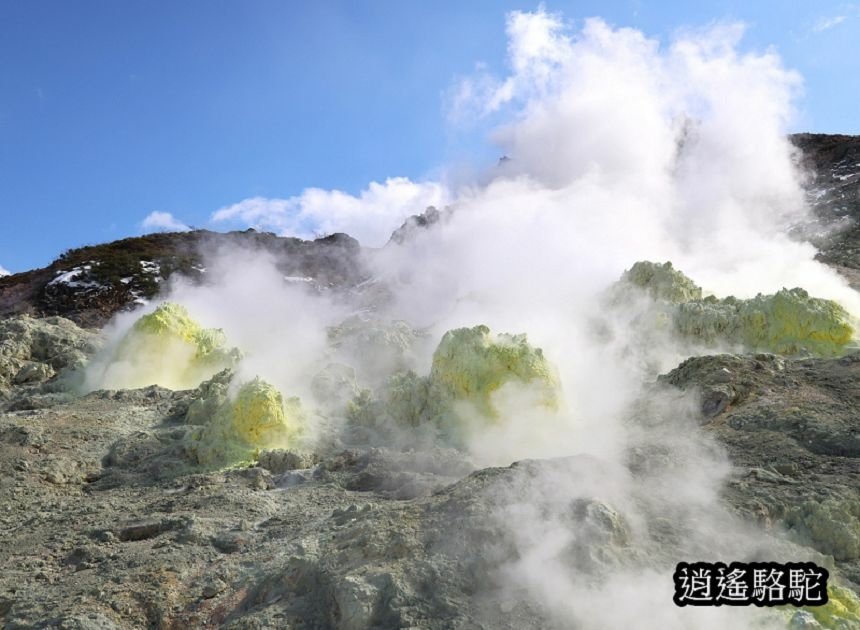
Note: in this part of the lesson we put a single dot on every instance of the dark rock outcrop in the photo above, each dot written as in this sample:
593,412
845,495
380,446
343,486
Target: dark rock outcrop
89,284
832,164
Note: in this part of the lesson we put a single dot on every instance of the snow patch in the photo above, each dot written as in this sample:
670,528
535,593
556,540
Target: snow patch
138,298
70,278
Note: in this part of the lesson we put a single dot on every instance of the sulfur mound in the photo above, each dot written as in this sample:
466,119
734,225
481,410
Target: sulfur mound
789,322
471,364
792,322
257,418
832,526
662,282
404,400
842,609
168,348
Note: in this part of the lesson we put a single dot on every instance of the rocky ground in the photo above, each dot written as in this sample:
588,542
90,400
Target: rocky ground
790,428
105,522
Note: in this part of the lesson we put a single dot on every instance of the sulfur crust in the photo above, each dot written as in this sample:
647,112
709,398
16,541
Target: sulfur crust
258,418
471,364
842,609
789,322
168,348
662,281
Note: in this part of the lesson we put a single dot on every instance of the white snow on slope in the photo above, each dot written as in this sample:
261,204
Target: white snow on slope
70,278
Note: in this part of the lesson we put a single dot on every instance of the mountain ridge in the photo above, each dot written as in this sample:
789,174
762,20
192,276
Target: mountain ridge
90,284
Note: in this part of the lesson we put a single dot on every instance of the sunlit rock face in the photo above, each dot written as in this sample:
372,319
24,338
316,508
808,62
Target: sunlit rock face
33,351
166,347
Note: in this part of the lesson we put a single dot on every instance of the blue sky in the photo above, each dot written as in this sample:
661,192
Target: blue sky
113,110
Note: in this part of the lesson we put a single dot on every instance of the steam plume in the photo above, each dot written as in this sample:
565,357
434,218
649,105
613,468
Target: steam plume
622,148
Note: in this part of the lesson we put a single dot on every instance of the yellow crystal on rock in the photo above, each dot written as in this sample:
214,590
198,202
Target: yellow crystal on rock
791,322
471,364
168,348
258,418
842,609
788,322
662,282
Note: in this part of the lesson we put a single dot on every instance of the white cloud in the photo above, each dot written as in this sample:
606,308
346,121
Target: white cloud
4,271
370,217
163,221
825,23
537,49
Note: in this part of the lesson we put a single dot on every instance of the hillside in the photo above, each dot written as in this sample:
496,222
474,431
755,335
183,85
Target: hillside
322,463
833,163
89,284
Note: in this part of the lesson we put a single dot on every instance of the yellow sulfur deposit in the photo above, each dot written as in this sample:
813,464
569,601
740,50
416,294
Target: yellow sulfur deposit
469,366
662,282
841,611
789,322
471,363
168,348
258,418
831,525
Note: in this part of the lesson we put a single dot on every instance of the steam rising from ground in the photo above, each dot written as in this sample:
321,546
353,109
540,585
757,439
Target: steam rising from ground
621,149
